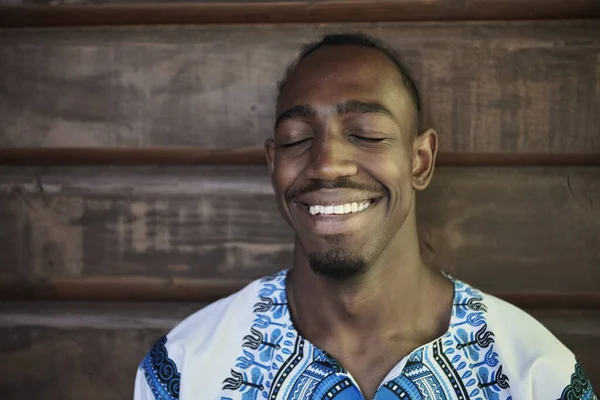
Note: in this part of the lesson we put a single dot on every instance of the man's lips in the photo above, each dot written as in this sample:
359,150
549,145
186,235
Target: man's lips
336,197
336,210
332,223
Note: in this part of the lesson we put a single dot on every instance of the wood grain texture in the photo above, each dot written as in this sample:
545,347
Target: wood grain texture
67,315
57,364
143,290
506,230
169,156
78,13
101,361
513,87
148,156
148,289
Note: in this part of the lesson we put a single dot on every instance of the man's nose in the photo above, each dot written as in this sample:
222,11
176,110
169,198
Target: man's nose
332,158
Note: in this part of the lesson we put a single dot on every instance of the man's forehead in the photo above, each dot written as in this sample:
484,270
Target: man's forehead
350,63
332,75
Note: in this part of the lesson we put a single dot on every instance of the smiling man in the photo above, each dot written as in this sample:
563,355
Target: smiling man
358,315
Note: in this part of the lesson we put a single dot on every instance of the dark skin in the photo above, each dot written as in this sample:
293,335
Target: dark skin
344,114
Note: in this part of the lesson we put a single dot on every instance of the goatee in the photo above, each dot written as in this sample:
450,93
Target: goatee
337,265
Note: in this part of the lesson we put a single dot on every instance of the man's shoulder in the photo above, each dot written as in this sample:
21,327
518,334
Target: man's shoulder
513,330
515,325
220,322
529,353
221,316
204,343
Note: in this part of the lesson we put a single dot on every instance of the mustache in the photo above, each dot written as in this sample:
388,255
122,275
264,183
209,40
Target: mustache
341,183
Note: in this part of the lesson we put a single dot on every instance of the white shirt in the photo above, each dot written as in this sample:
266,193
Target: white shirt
246,347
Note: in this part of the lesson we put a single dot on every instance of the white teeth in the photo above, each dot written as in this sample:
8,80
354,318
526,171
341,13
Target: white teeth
339,209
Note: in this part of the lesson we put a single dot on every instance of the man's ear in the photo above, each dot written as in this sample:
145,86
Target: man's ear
270,154
424,153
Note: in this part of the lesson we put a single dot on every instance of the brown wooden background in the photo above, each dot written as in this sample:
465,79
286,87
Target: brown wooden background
133,189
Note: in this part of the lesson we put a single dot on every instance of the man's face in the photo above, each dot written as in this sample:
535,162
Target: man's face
341,158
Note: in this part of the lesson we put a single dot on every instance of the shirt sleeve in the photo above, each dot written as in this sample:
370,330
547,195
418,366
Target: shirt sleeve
158,376
579,385
572,385
141,390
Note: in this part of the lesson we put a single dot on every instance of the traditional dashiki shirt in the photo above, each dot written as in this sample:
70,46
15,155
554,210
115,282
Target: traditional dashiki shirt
246,347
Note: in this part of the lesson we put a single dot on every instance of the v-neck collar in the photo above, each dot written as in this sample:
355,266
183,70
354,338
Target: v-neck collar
276,362
455,320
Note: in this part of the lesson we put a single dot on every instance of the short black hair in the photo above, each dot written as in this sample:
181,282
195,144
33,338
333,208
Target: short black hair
358,39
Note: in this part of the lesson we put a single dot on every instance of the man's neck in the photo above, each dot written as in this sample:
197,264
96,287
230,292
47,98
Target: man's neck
395,301
374,320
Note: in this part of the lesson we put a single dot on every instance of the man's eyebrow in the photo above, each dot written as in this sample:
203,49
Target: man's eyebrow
361,107
347,107
296,112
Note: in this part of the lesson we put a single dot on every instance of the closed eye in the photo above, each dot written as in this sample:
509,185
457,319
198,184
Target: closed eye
368,139
288,145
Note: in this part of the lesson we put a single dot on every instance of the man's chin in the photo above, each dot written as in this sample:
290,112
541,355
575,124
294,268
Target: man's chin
337,266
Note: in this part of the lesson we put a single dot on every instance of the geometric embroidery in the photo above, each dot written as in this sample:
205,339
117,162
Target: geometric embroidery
275,362
161,372
278,363
580,386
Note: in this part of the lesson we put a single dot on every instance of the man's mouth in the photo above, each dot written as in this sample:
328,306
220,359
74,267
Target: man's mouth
339,209
332,214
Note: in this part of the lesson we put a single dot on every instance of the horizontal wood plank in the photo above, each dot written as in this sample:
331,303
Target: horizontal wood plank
79,13
506,230
147,156
170,156
68,315
488,87
144,290
57,364
101,361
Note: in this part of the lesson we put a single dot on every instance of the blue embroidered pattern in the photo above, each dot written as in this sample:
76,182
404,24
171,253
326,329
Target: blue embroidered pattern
277,363
461,365
580,386
161,372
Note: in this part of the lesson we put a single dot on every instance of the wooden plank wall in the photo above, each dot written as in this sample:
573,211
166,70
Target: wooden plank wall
133,189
